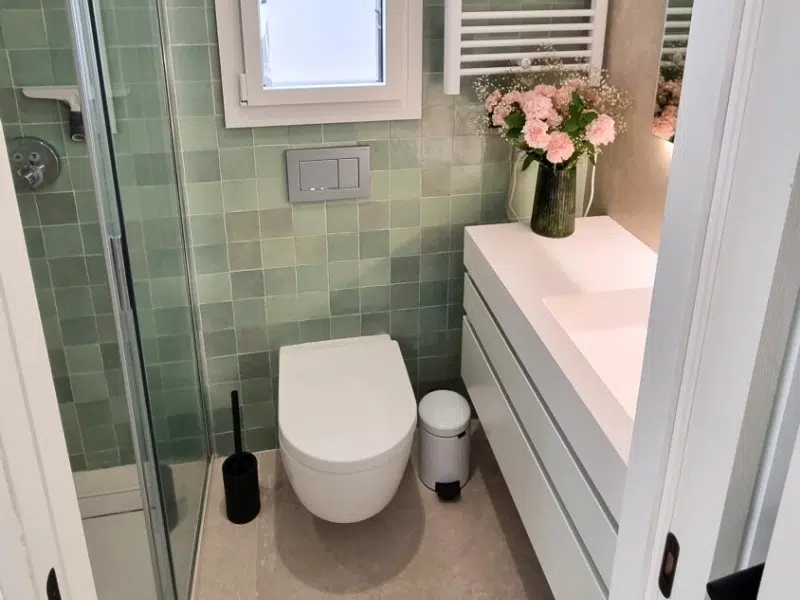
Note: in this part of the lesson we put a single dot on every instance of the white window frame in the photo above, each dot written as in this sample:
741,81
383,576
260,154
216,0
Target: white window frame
248,104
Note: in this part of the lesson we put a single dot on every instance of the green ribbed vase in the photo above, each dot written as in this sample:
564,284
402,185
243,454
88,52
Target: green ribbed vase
554,203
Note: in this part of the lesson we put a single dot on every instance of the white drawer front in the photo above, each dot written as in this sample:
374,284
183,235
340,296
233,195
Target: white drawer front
593,522
568,571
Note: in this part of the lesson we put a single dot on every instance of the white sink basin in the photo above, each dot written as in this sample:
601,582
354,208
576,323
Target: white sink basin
610,330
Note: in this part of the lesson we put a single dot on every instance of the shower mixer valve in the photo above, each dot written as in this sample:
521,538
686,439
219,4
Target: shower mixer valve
34,163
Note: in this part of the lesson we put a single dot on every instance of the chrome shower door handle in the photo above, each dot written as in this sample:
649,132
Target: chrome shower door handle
120,276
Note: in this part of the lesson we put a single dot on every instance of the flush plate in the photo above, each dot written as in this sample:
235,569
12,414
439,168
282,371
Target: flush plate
322,174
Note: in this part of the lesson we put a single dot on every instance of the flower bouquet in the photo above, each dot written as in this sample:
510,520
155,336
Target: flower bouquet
555,122
668,97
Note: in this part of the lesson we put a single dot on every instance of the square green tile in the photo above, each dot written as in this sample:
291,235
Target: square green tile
278,252
240,195
309,219
211,259
342,218
219,343
405,213
312,278
313,305
247,284
405,153
270,161
373,244
276,223
62,240
374,216
207,230
84,359
67,272
406,184
237,163
344,302
343,246
405,269
214,288
244,256
242,226
345,327
311,249
216,317
435,182
281,309
375,323
375,299
375,271
343,275
251,312
280,281
405,295
314,330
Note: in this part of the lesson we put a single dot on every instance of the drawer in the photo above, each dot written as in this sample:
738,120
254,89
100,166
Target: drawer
569,572
594,523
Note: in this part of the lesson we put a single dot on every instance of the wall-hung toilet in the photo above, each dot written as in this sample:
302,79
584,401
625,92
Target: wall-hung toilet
346,420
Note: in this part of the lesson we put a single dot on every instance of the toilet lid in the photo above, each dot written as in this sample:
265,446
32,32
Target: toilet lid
343,405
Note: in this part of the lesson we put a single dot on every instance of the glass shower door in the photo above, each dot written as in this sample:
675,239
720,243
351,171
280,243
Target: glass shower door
128,127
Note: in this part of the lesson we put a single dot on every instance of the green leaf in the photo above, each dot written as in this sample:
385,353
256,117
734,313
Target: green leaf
514,132
588,117
576,100
571,125
515,120
528,160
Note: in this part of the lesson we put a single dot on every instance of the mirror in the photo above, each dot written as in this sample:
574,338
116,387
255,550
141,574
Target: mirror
342,43
673,56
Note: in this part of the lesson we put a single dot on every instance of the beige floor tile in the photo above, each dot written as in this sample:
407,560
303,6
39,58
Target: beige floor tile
417,548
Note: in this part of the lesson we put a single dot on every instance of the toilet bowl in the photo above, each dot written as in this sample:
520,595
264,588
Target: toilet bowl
346,420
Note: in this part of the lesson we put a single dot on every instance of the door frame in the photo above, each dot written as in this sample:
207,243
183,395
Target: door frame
737,285
39,513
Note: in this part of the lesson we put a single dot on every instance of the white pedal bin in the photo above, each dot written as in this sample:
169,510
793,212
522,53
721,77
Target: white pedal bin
444,440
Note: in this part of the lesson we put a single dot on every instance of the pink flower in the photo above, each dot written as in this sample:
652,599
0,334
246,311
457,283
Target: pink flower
513,97
559,148
673,88
536,106
554,119
493,100
664,127
670,111
545,90
501,111
601,131
563,96
535,134
576,83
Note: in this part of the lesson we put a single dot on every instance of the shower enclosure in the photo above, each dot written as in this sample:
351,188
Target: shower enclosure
107,250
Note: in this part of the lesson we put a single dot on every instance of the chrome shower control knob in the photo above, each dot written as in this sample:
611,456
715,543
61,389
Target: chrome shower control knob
32,174
34,163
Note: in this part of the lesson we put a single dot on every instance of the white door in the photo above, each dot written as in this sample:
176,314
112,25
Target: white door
40,524
780,573
733,403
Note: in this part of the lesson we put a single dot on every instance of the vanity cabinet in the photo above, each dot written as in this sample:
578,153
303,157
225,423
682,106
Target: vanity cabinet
553,412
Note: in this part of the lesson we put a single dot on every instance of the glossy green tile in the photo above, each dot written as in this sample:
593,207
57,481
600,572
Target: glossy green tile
276,222
211,259
214,288
405,295
314,330
313,278
375,323
405,213
23,29
374,216
247,284
249,313
343,246
56,209
309,219
240,195
280,281
345,326
406,241
84,359
434,266
373,244
201,166
278,252
245,255
218,316
406,184
342,218
313,305
404,322
339,132
207,230
67,272
405,269
281,309
342,275
237,163
433,293
375,299
305,134
344,302
311,249
242,226
74,302
62,240
219,343
270,161
405,153
435,182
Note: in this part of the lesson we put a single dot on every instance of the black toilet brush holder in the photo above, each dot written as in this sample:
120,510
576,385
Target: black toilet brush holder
240,476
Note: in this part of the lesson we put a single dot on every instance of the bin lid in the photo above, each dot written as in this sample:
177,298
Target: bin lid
444,413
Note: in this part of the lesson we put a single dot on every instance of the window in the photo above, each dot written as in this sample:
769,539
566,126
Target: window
292,62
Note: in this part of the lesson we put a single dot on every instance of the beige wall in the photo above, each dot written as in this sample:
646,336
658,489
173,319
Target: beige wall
632,174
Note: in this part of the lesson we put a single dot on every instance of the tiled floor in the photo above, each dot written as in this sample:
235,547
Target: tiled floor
417,548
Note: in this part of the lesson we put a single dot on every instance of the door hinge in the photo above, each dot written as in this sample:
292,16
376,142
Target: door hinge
669,564
53,593
243,89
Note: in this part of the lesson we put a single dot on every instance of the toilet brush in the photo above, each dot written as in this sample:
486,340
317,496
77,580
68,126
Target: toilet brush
240,476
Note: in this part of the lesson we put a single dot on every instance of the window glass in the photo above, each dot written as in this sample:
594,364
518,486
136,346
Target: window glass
319,43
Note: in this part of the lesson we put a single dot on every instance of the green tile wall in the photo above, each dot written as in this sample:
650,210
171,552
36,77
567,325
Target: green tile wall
63,237
270,274
64,240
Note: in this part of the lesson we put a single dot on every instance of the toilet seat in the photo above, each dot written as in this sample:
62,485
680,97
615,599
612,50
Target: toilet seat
345,406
